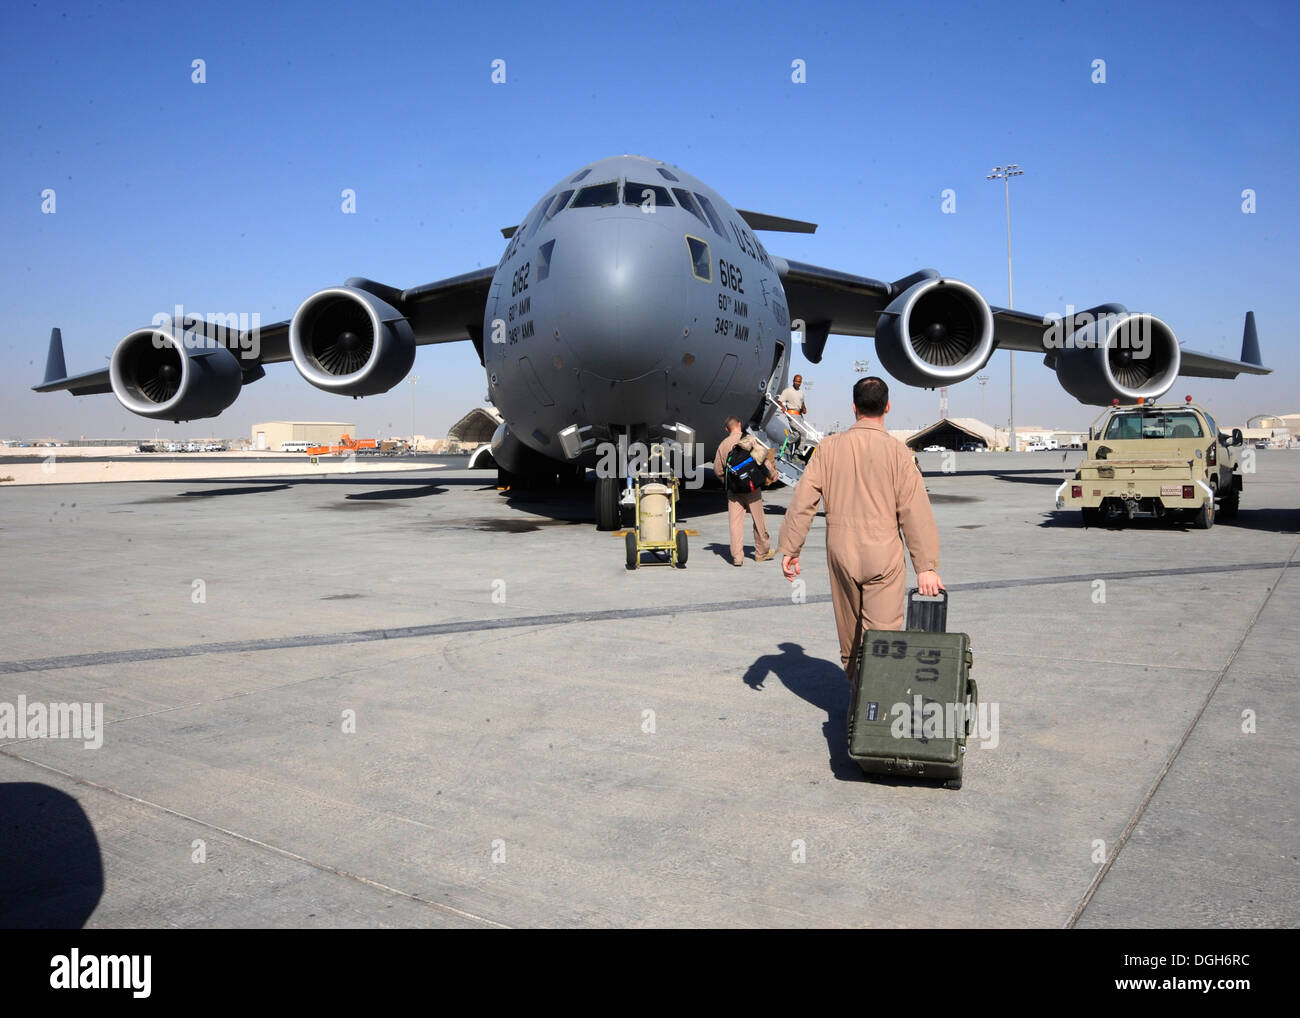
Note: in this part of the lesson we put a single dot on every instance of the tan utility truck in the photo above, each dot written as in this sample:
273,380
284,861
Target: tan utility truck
1155,461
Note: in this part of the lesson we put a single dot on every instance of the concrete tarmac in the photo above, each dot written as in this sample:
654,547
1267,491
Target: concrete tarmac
405,699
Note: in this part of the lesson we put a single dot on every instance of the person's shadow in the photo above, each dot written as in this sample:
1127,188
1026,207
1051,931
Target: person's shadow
51,872
824,686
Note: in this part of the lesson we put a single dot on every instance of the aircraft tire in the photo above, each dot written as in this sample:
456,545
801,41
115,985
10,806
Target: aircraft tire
608,512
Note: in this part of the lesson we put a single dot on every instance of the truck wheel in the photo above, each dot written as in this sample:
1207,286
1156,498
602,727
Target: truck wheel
608,513
1092,517
1204,518
1230,504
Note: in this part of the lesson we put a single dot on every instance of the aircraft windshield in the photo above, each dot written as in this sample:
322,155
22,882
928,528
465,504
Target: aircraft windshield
597,196
561,200
1176,424
689,204
635,194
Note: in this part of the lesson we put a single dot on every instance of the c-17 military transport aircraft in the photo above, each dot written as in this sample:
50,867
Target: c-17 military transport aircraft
634,302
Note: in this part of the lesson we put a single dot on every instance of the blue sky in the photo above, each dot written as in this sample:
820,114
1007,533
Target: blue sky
225,196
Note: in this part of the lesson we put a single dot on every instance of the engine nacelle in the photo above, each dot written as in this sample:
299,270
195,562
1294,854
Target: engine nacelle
155,374
936,332
1119,357
348,341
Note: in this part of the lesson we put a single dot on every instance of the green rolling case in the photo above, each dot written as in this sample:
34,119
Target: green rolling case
913,701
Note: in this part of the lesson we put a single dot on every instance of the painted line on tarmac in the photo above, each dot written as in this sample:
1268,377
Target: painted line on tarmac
1127,833
118,657
248,839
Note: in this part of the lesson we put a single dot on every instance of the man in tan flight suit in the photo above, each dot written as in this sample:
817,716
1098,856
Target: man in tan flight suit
741,502
871,487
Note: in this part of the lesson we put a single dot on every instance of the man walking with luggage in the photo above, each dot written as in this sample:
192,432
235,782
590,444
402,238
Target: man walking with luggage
741,502
871,487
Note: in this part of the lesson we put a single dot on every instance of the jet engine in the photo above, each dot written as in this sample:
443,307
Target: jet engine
936,332
154,374
350,342
1119,356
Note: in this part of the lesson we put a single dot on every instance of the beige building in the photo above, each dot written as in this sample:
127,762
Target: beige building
271,435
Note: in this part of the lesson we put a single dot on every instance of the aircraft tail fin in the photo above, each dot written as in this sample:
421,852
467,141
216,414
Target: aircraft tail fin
1250,341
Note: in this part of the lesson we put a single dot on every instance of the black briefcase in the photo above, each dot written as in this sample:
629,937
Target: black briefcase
913,701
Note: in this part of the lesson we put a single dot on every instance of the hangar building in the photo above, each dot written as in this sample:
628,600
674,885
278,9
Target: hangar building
273,434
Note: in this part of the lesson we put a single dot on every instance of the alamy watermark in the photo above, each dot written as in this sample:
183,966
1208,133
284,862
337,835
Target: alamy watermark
622,460
23,720
1072,331
238,331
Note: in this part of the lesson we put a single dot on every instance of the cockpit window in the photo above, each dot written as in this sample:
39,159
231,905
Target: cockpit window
580,175
635,194
597,196
714,219
1178,424
561,200
687,202
701,263
665,174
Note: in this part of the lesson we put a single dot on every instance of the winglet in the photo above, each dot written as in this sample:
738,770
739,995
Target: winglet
55,368
1250,341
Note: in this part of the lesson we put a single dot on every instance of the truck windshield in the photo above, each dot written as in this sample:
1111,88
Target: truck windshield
1174,424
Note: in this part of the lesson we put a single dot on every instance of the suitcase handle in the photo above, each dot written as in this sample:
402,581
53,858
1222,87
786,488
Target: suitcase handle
974,691
927,613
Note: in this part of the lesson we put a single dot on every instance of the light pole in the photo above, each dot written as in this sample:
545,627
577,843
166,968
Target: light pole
1004,174
983,380
411,381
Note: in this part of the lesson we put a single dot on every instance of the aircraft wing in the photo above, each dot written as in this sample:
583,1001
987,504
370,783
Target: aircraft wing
829,301
446,311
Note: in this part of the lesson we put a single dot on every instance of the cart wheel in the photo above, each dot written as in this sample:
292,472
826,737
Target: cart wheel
633,552
681,549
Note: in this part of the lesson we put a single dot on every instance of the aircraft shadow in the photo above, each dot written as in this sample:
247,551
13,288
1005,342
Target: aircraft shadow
51,871
421,491
823,685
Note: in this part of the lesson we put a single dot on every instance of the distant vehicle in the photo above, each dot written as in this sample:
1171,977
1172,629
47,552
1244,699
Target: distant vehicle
973,447
935,448
1262,444
1035,447
192,446
1156,461
146,447
347,444
294,446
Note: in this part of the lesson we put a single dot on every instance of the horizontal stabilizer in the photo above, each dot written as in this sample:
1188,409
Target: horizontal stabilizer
777,224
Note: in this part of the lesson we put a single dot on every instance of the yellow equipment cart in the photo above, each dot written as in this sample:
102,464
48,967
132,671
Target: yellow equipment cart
655,529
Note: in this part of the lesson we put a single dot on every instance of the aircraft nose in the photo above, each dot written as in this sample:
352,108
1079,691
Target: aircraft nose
623,307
